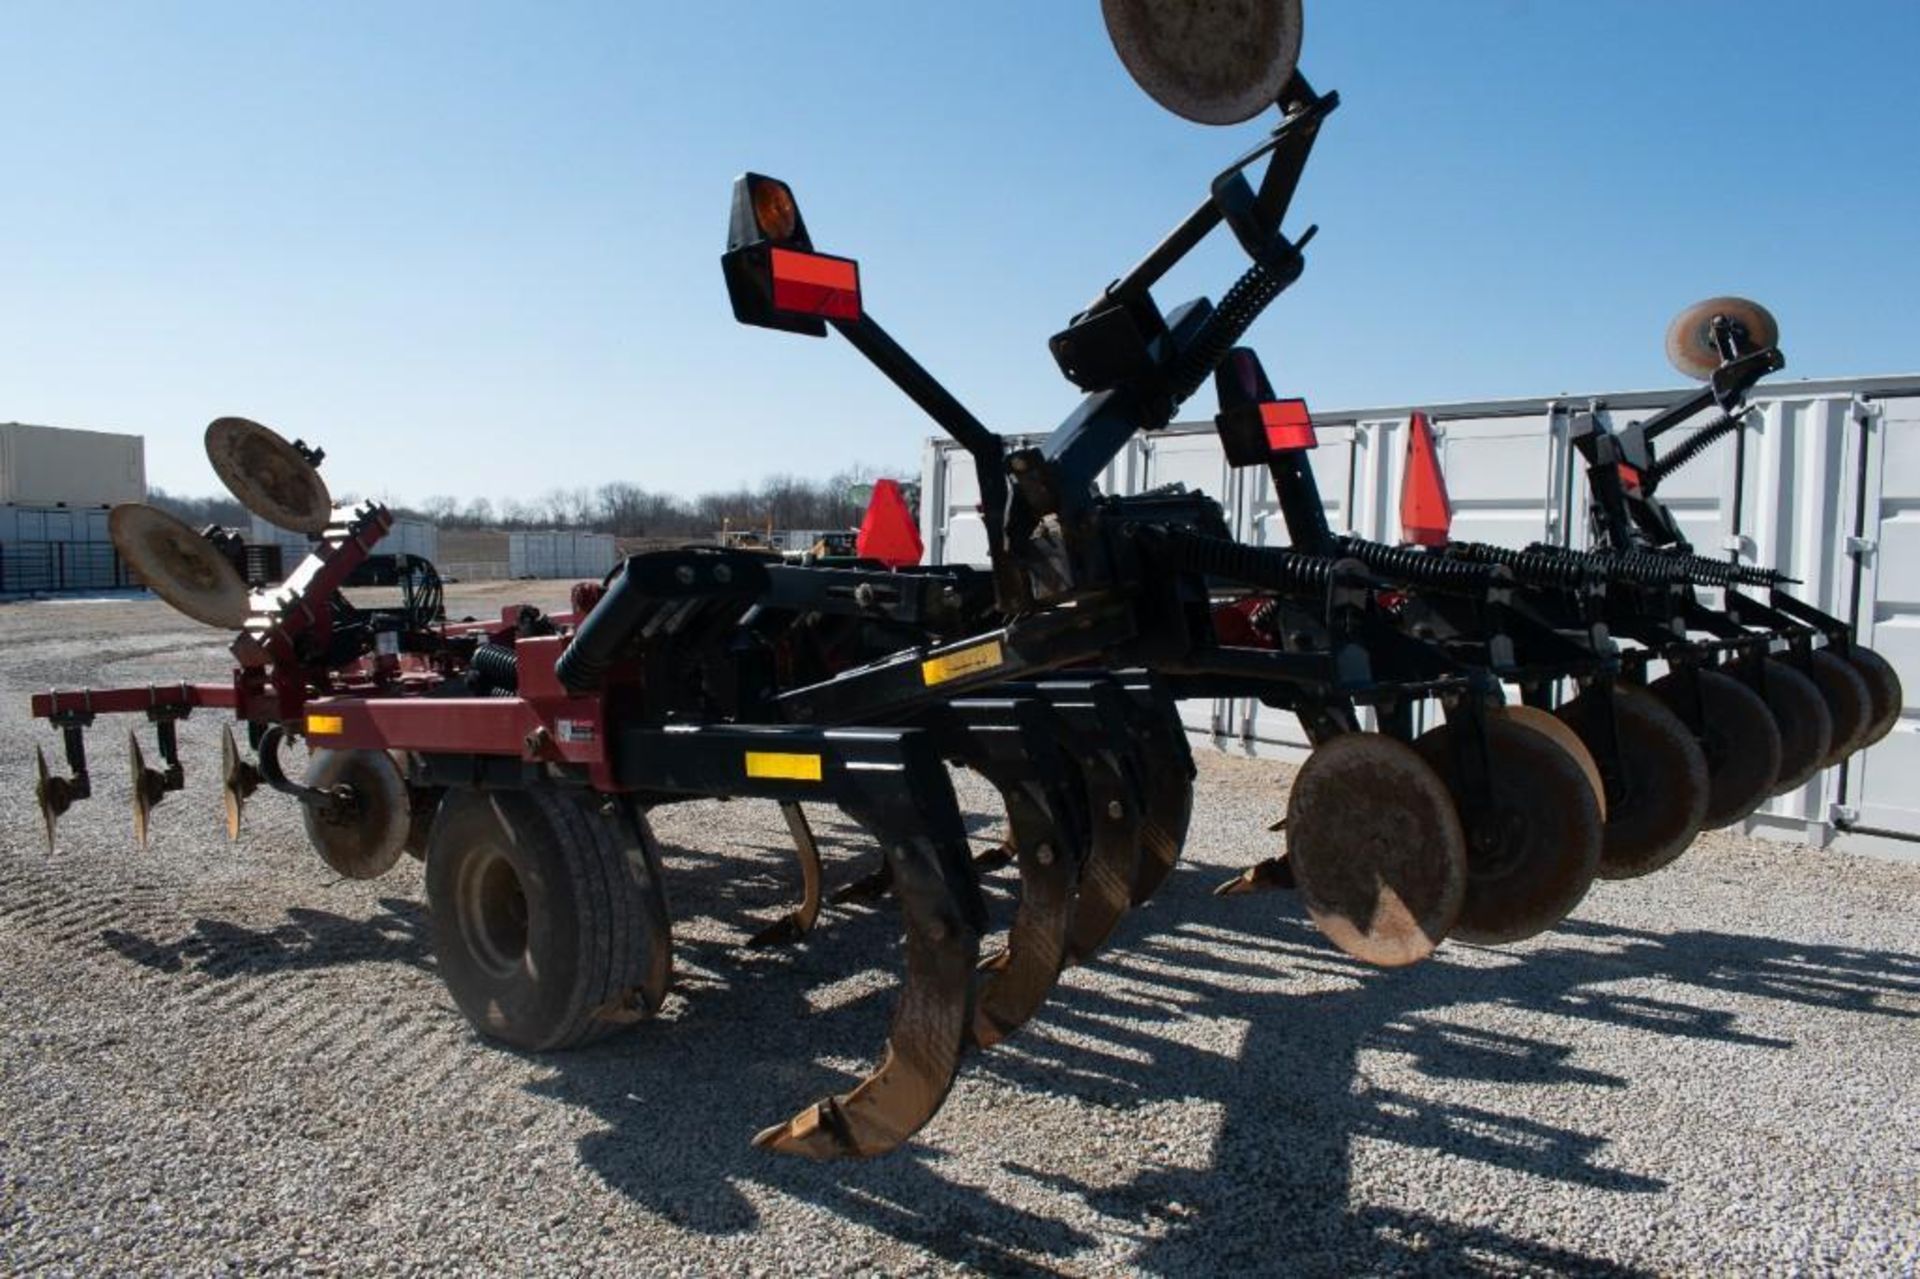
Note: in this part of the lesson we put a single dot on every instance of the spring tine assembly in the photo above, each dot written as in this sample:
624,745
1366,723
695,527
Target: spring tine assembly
54,795
915,817
1015,746
151,785
797,923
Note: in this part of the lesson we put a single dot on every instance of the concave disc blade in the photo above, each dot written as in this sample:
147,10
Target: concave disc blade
1848,700
43,795
1660,780
1567,740
1210,61
145,793
179,565
232,799
1806,726
1883,685
268,475
1534,853
1690,345
366,845
1376,849
1737,735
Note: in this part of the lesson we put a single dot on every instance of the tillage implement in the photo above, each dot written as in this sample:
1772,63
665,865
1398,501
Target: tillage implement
1487,736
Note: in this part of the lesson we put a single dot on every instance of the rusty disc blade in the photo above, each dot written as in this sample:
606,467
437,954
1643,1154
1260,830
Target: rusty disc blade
365,843
268,475
1210,61
147,790
1883,686
46,795
1737,736
1532,855
1660,781
237,781
1690,345
179,565
1848,700
1567,740
1376,849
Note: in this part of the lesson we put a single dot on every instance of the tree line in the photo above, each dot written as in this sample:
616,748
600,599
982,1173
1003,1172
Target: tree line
620,508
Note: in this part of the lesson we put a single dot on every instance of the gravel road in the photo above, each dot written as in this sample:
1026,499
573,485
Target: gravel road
216,1057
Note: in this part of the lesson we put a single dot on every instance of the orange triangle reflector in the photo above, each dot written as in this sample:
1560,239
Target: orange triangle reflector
889,533
1426,513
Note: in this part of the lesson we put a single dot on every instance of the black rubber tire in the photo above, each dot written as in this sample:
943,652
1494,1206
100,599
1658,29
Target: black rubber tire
1848,700
1806,728
1739,738
593,941
1883,685
1540,791
1659,802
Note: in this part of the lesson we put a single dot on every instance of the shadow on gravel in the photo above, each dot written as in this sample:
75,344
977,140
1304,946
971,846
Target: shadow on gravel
752,1036
309,939
1293,1101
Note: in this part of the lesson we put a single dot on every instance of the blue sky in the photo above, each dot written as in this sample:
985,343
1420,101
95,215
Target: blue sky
472,248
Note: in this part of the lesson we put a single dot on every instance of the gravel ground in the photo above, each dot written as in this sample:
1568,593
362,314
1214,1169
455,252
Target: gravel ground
217,1058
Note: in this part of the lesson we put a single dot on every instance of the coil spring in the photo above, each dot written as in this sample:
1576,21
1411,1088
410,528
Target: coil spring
1642,568
1705,572
495,666
1540,567
1269,568
1416,568
1238,309
1702,440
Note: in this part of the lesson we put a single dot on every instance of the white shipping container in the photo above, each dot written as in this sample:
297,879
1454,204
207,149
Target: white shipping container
412,537
47,466
550,554
406,537
593,555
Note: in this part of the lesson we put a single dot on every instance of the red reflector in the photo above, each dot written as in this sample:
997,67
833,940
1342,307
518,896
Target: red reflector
1629,479
813,284
1426,513
1289,426
889,533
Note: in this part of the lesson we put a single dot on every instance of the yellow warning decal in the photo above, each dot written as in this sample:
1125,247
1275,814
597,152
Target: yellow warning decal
785,765
964,661
323,725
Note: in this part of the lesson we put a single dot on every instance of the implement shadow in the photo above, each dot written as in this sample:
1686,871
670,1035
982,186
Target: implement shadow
1295,1098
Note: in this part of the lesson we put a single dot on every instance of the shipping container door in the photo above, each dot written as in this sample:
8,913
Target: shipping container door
1798,474
1882,783
1502,475
964,537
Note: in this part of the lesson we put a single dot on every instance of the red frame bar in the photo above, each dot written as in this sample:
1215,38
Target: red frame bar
571,730
125,701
